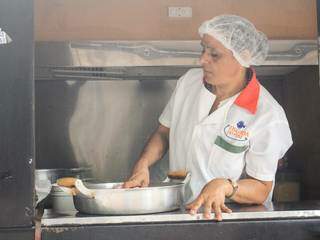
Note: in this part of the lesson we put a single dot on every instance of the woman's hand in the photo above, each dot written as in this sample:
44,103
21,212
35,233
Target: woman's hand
212,198
139,178
154,150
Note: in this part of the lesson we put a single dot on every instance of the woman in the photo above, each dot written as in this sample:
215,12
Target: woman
220,122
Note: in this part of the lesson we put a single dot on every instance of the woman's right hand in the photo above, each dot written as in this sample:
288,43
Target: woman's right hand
156,147
139,178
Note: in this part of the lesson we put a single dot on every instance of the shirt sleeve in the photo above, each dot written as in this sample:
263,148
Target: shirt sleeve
166,116
266,148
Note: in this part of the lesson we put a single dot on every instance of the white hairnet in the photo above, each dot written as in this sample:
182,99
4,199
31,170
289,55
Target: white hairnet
249,46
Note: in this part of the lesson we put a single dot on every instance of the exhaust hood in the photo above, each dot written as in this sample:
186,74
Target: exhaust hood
151,60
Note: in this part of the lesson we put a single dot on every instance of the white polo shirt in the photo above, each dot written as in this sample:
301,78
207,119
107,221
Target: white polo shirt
248,131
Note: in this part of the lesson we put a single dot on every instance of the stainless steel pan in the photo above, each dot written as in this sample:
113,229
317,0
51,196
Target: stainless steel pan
110,199
44,178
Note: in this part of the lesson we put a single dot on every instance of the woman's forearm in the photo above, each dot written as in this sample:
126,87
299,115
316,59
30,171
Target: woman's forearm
155,148
252,191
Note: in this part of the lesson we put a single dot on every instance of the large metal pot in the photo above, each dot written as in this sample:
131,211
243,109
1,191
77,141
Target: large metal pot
153,199
109,199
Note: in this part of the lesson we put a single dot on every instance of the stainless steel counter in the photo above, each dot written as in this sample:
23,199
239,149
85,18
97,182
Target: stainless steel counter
240,212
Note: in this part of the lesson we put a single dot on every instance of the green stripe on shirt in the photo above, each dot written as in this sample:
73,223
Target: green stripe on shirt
228,146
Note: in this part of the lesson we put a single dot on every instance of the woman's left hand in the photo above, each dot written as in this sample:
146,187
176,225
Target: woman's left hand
212,198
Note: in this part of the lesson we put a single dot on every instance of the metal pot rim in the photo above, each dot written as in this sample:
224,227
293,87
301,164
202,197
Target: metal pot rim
62,169
160,186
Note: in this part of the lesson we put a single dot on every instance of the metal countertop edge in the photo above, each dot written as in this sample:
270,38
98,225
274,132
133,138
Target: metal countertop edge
153,218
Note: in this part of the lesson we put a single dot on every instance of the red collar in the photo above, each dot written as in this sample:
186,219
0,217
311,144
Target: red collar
248,98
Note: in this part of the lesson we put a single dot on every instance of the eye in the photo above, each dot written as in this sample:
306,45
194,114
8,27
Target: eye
214,55
212,52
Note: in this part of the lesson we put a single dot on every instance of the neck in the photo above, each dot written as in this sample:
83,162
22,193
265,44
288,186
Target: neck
235,86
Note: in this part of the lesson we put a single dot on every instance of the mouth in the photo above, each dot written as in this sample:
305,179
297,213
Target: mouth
206,72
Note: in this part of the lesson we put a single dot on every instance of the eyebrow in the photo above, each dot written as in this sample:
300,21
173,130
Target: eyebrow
207,46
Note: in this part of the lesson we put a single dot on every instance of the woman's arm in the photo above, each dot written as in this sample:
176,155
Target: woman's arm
252,191
153,151
156,146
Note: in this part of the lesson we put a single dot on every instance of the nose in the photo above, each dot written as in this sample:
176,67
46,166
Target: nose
204,58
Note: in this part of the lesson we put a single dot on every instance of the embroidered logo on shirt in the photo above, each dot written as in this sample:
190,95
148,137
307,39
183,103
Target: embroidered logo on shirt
240,125
237,132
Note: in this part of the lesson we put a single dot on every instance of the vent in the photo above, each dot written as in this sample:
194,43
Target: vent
111,73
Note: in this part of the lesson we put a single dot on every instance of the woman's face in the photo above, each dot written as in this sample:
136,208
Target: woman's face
218,63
